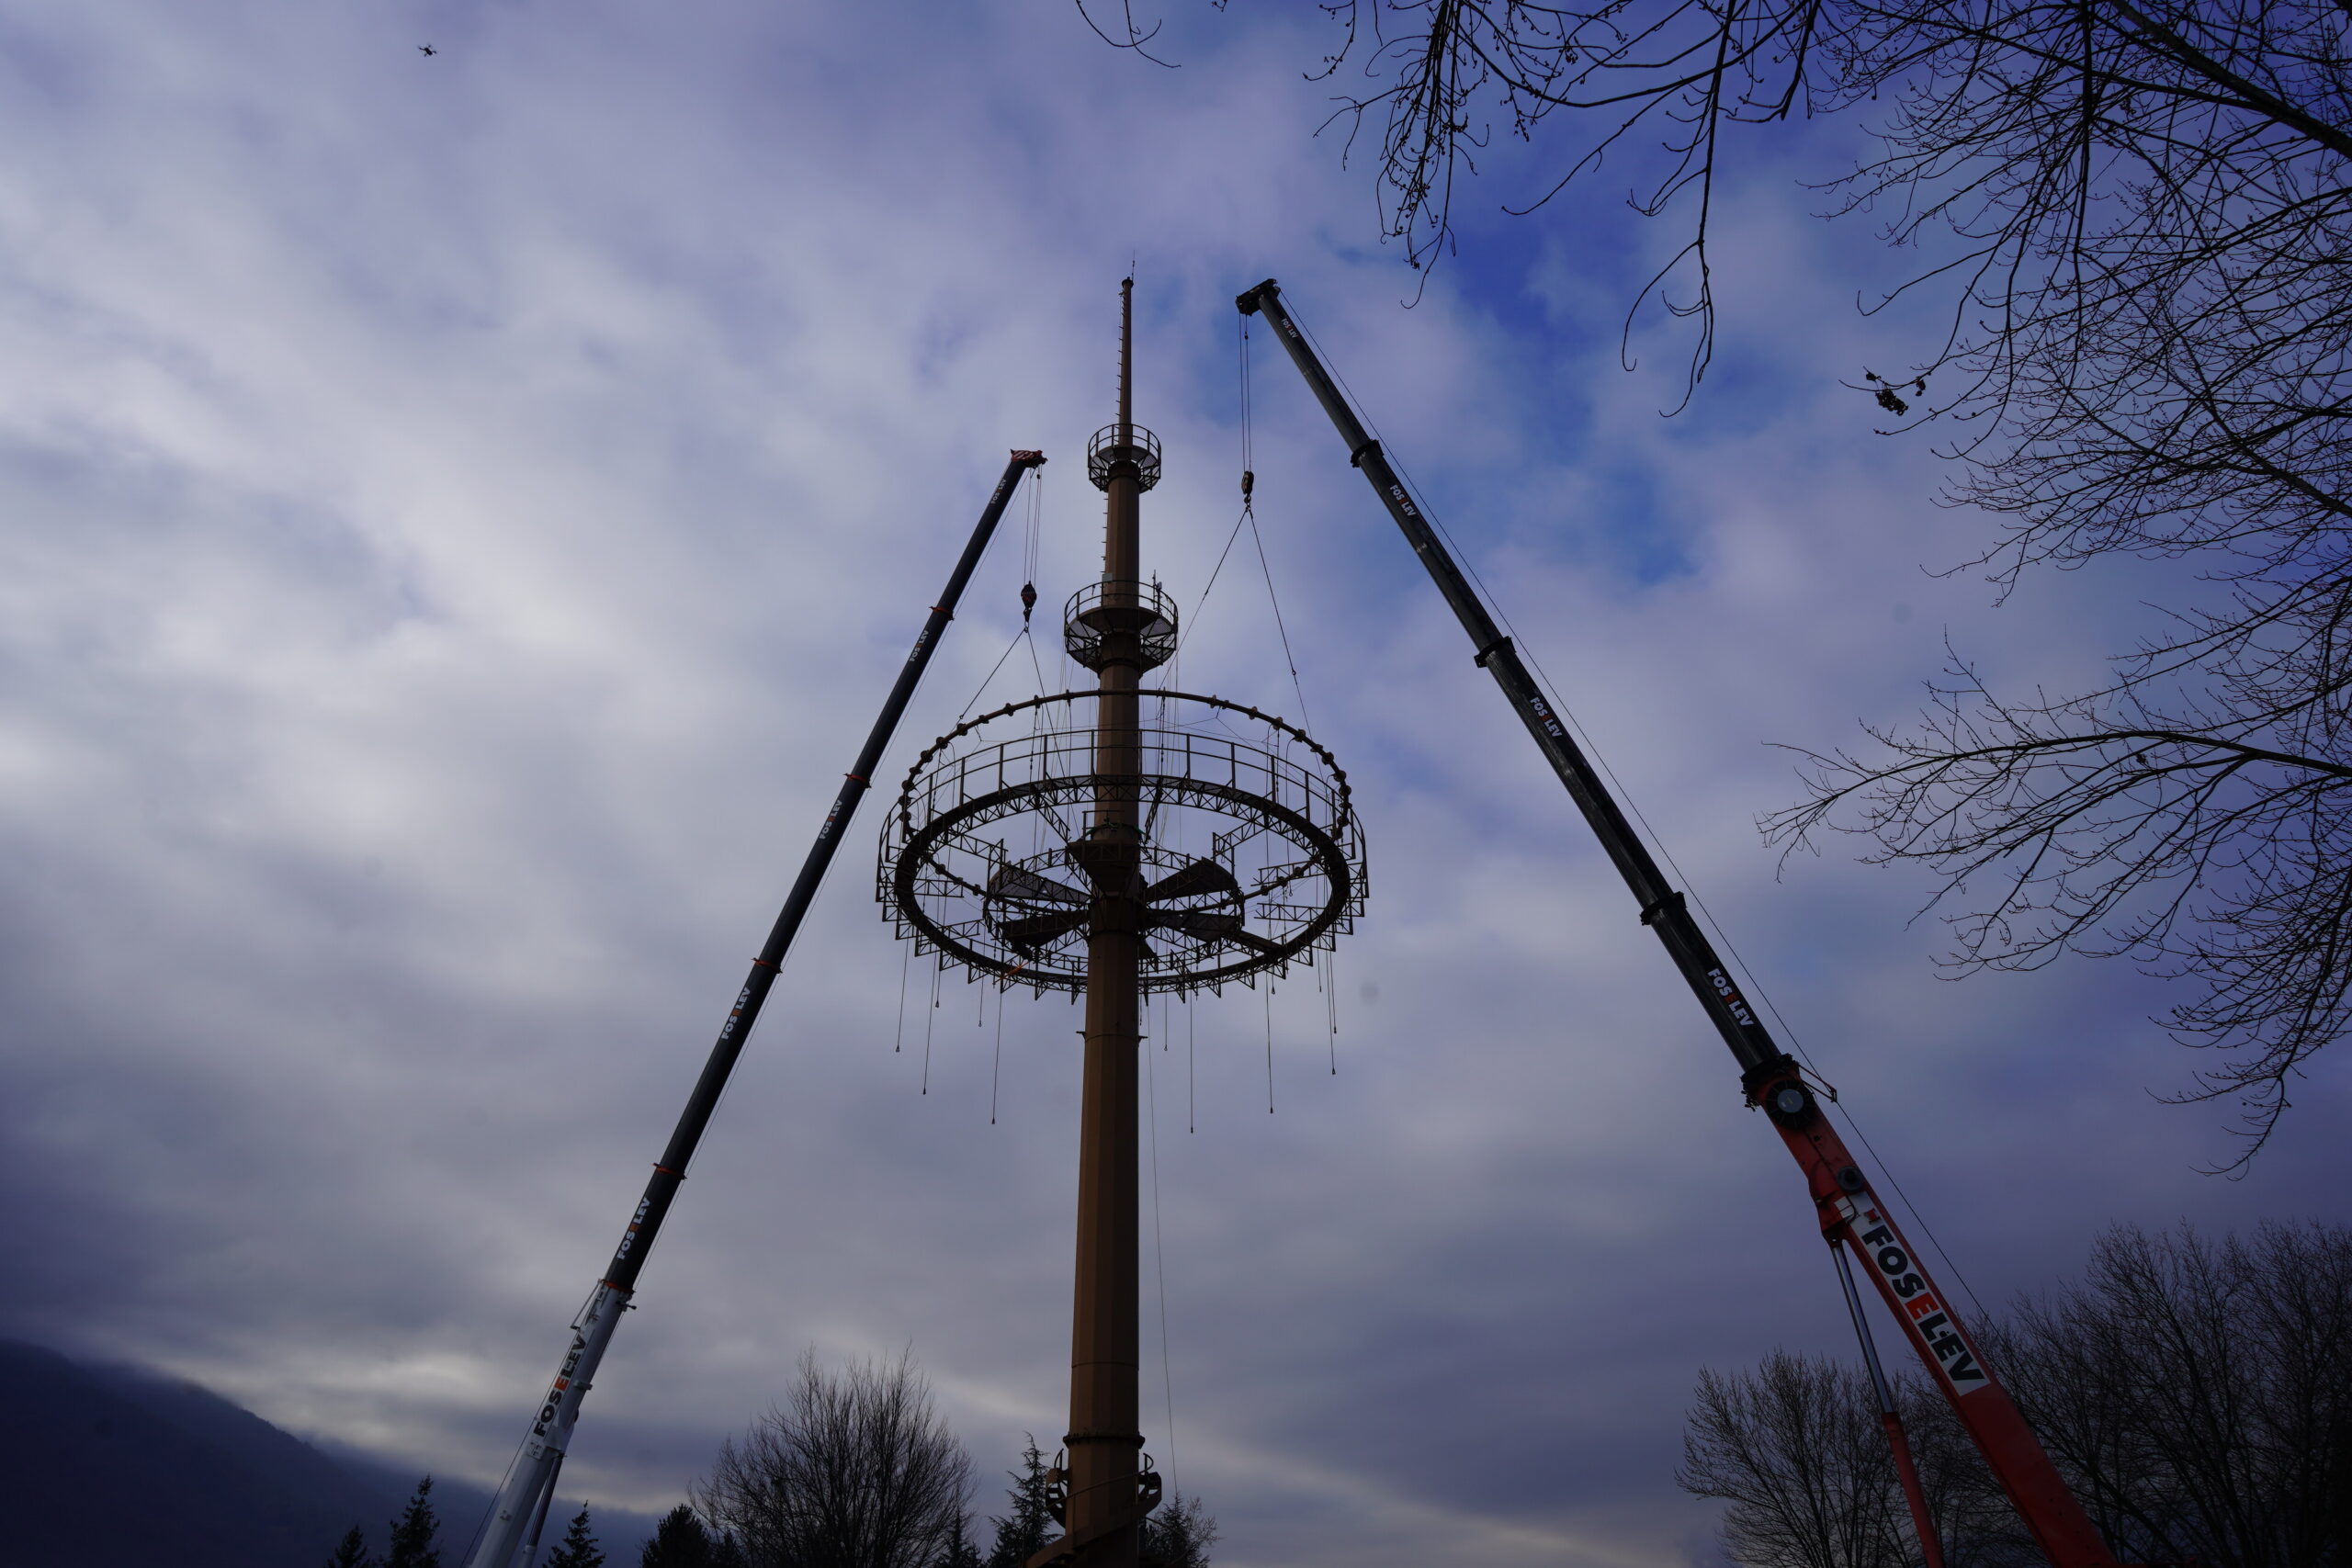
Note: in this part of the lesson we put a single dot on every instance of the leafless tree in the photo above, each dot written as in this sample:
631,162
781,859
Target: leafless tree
2133,217
856,1469
1796,1449
2197,1397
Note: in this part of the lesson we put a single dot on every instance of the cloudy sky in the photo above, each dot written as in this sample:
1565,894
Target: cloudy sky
458,517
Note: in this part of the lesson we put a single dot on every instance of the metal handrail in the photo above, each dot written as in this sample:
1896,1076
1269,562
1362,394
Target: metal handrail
1114,443
1090,617
1338,791
1054,755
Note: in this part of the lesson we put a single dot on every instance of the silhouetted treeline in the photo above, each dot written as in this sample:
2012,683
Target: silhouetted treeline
2196,1394
857,1469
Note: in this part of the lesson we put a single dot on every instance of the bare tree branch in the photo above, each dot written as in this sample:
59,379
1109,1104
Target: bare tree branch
2136,217
854,1471
2197,1397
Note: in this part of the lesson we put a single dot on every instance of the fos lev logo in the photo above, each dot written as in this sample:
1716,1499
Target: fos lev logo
554,1401
1930,1322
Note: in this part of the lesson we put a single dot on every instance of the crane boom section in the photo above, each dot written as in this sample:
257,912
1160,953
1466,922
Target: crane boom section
1771,1077
1662,906
549,1435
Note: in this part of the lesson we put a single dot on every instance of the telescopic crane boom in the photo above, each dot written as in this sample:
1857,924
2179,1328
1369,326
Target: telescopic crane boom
1849,1212
522,1496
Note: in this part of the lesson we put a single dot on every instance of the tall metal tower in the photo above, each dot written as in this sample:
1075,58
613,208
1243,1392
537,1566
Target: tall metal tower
1215,843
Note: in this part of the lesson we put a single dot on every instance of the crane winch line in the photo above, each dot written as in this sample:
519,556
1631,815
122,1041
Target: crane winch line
1850,1213
532,1476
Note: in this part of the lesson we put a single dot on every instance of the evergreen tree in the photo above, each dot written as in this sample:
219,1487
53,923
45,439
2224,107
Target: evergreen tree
416,1541
682,1541
1031,1524
579,1549
1177,1535
353,1552
959,1552
679,1541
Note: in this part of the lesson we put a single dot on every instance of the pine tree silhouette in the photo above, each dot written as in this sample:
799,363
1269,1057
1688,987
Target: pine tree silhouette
1031,1524
351,1553
416,1541
960,1553
1177,1535
679,1541
682,1541
579,1549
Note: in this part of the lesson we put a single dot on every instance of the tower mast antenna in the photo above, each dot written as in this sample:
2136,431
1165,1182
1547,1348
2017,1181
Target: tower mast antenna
1126,360
1106,1439
1180,857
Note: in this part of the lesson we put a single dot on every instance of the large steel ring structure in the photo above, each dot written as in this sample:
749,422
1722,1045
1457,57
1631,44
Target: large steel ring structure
1252,856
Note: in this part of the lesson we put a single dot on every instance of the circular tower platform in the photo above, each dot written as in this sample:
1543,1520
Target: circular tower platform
1250,850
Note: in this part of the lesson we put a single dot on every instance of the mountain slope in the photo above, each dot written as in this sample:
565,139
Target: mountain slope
93,1476
116,1467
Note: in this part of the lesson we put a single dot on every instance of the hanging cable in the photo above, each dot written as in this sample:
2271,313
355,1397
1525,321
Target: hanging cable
1248,453
1275,600
1754,989
906,966
996,1065
1249,516
1028,603
1331,1007
1199,604
929,1019
1029,550
1032,662
992,674
1270,1046
1032,524
1755,986
1159,1256
1248,487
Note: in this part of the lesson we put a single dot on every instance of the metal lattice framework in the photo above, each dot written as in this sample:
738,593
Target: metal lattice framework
1252,853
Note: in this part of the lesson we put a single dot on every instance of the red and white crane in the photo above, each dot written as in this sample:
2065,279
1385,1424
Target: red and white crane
1850,1213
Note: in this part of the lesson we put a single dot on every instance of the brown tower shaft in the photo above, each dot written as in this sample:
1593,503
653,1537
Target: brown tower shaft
1105,1439
1202,858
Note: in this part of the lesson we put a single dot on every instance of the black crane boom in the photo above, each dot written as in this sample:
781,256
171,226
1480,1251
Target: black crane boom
1662,906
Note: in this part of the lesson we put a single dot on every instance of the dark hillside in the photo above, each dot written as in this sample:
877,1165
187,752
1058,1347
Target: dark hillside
114,1467
91,1477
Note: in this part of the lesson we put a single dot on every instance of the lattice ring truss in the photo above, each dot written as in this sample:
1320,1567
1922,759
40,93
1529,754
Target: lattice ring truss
1253,858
